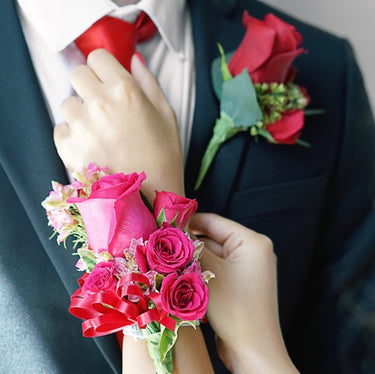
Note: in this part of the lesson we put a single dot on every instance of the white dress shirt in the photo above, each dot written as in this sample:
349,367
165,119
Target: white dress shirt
51,26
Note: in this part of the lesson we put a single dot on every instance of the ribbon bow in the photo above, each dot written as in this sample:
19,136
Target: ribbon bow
110,311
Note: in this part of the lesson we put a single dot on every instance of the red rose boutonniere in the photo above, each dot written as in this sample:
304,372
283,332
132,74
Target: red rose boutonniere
255,87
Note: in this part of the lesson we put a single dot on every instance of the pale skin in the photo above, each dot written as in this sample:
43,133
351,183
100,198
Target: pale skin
115,112
243,308
115,108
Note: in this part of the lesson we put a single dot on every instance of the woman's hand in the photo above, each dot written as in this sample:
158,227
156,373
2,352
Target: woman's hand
243,309
122,121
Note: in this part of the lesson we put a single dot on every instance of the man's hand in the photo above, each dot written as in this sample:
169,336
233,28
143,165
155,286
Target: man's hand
122,121
243,309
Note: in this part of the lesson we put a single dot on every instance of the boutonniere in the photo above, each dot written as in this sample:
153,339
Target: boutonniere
256,89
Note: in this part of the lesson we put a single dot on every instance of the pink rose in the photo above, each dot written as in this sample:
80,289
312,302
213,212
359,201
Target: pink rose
168,250
102,278
114,213
287,129
175,205
185,297
267,50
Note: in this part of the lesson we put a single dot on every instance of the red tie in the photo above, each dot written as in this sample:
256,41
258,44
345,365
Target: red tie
117,36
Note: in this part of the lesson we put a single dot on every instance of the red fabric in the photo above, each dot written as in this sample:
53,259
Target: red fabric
117,36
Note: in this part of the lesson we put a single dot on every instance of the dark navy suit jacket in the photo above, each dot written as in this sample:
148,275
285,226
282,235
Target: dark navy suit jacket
315,203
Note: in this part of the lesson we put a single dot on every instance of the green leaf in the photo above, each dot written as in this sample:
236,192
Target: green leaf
217,75
158,279
267,135
224,65
173,222
190,323
88,258
146,202
167,341
153,345
313,112
161,217
303,143
239,101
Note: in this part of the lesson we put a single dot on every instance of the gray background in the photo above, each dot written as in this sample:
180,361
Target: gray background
353,20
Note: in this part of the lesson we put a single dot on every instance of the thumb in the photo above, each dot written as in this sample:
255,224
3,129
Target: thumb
210,261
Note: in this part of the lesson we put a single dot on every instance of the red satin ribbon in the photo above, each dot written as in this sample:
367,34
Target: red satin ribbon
117,36
110,311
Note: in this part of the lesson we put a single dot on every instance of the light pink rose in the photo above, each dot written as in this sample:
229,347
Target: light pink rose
168,250
114,213
102,278
175,205
185,296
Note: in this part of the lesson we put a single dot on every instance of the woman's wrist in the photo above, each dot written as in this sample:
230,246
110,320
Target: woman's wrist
259,359
191,355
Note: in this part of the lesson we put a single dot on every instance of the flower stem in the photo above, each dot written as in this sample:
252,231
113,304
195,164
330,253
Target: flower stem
209,155
313,112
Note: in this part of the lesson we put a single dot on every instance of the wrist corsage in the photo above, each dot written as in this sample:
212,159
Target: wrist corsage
255,87
142,272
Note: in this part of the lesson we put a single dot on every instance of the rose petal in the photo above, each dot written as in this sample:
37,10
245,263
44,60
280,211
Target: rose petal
287,38
288,129
185,297
132,220
95,214
255,48
176,207
277,68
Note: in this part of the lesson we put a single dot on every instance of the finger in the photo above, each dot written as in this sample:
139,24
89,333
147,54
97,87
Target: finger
106,67
149,85
212,246
223,353
209,261
71,109
215,227
61,137
60,132
84,82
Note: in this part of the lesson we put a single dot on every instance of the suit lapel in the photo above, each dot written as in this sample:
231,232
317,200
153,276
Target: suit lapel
27,152
216,188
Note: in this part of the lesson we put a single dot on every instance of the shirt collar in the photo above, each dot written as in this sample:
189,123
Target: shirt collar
60,22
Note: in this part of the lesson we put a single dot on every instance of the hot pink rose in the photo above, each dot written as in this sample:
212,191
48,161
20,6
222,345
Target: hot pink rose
168,250
185,296
267,50
102,278
287,129
114,213
175,205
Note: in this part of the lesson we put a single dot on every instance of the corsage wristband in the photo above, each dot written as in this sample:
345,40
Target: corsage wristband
138,262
